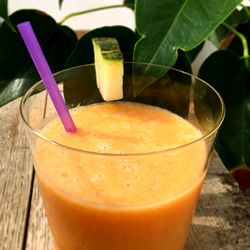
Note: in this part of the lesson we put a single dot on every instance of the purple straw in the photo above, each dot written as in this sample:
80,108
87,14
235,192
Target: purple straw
46,75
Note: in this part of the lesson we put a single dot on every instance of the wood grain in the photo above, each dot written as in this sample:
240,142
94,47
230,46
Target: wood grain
15,178
222,218
216,224
38,236
221,221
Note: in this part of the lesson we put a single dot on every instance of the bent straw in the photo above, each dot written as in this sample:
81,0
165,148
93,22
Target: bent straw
46,75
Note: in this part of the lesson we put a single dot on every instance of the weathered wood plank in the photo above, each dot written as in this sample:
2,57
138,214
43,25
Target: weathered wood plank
15,178
221,221
38,235
222,218
38,232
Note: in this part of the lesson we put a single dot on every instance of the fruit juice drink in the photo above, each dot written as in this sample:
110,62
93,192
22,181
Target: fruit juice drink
123,181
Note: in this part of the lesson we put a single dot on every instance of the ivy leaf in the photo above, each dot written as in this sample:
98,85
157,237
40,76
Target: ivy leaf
17,72
228,74
168,25
4,13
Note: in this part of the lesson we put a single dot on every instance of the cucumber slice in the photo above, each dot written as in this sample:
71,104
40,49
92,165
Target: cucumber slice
109,67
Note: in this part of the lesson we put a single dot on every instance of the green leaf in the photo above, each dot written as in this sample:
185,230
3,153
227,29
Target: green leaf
163,91
4,8
221,35
17,72
4,13
227,73
169,25
238,17
183,62
84,54
193,53
129,3
236,44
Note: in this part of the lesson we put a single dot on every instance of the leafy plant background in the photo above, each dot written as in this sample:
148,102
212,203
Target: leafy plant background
174,28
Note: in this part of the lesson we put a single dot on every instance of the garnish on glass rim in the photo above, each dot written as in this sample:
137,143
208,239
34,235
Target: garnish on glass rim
109,67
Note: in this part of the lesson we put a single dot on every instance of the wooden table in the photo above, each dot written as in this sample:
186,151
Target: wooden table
222,219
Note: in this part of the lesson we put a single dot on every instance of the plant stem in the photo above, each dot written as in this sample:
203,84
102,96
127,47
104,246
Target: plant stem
91,10
245,9
243,41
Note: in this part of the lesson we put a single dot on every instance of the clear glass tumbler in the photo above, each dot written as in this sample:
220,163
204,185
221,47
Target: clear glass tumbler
143,223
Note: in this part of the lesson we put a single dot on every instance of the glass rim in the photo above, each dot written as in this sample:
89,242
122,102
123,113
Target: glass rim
44,138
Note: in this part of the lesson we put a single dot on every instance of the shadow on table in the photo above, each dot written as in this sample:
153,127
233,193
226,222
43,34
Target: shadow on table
222,217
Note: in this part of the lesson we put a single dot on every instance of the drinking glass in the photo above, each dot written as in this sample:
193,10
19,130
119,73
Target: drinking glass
144,223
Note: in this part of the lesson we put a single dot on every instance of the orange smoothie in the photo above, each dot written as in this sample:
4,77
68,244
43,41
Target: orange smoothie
128,187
